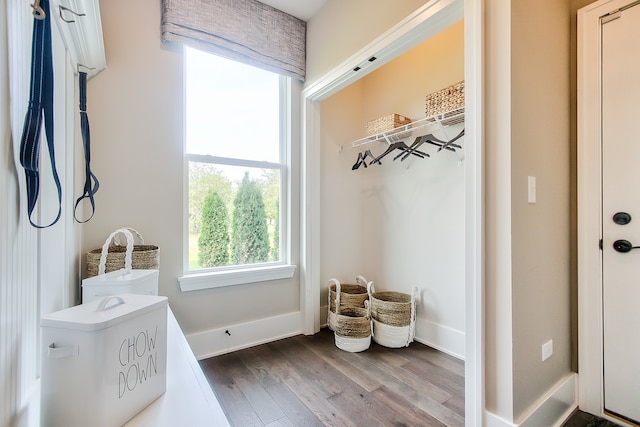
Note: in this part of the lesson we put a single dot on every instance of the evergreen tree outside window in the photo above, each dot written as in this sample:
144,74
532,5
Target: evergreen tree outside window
250,239
213,242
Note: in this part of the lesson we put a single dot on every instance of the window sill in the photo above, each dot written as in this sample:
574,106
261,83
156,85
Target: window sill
218,279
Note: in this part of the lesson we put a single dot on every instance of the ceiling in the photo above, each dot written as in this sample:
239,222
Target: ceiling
301,9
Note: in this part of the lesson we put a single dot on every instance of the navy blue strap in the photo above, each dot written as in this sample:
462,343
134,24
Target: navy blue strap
90,189
40,104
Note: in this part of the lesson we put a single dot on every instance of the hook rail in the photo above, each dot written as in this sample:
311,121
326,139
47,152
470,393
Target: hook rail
66,9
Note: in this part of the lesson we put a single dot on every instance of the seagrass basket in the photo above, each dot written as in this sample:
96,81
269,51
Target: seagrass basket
353,329
345,295
116,256
393,317
386,123
444,100
391,308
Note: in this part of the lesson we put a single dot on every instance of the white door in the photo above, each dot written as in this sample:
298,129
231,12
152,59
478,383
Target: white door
621,212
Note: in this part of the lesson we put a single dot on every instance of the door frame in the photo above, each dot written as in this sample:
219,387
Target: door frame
589,164
419,26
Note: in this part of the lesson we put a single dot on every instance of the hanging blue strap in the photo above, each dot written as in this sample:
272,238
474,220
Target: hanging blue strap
91,183
40,106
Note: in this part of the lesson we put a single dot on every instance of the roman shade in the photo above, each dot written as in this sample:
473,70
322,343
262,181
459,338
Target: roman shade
243,30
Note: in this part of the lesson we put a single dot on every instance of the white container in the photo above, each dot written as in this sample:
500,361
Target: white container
143,282
104,361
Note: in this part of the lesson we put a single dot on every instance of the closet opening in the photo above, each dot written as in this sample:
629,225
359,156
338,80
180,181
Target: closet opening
410,216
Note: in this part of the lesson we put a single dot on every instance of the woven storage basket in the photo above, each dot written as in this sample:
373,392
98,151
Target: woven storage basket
115,257
386,123
447,99
345,295
353,328
394,317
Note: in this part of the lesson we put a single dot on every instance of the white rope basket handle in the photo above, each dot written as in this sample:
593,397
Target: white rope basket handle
367,307
412,321
135,233
127,256
337,283
360,280
370,291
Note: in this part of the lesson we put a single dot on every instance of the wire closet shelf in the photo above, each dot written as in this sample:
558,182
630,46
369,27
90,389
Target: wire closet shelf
440,120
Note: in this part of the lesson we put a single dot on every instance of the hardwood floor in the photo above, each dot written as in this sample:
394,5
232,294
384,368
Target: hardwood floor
308,381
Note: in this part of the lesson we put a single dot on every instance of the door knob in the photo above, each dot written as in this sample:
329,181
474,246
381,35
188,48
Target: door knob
623,246
621,218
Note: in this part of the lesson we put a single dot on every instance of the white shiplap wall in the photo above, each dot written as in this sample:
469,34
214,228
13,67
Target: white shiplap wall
19,301
38,269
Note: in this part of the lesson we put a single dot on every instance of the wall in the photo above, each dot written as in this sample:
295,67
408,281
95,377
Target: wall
528,245
339,29
19,242
540,232
136,111
38,268
400,224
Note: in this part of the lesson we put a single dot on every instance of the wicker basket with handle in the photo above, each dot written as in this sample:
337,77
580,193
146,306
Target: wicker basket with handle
353,328
345,295
112,257
393,316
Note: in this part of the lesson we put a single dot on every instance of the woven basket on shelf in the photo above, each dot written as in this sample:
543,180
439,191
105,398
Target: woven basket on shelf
353,328
116,256
386,123
346,295
394,317
447,99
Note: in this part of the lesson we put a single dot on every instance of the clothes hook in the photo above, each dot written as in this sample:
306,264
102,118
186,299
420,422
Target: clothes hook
84,66
38,12
66,9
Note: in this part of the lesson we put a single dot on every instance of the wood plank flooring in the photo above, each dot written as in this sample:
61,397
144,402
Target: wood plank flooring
308,381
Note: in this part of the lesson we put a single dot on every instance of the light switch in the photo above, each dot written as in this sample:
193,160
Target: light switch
531,189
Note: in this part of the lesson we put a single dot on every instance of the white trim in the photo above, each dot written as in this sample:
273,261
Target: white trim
83,37
551,410
590,315
440,337
244,335
419,26
430,19
218,279
474,212
229,161
309,218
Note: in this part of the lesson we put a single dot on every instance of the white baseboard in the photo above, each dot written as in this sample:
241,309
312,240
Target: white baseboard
440,337
244,335
443,338
551,410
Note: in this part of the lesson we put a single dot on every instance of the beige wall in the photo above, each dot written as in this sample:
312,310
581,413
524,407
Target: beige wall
340,29
135,108
528,245
540,232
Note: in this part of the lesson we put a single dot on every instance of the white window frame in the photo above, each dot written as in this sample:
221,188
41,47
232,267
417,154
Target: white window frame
208,278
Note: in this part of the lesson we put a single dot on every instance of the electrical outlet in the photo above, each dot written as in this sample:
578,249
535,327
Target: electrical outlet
547,350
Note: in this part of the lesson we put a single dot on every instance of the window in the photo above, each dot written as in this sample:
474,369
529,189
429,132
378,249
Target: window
236,176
